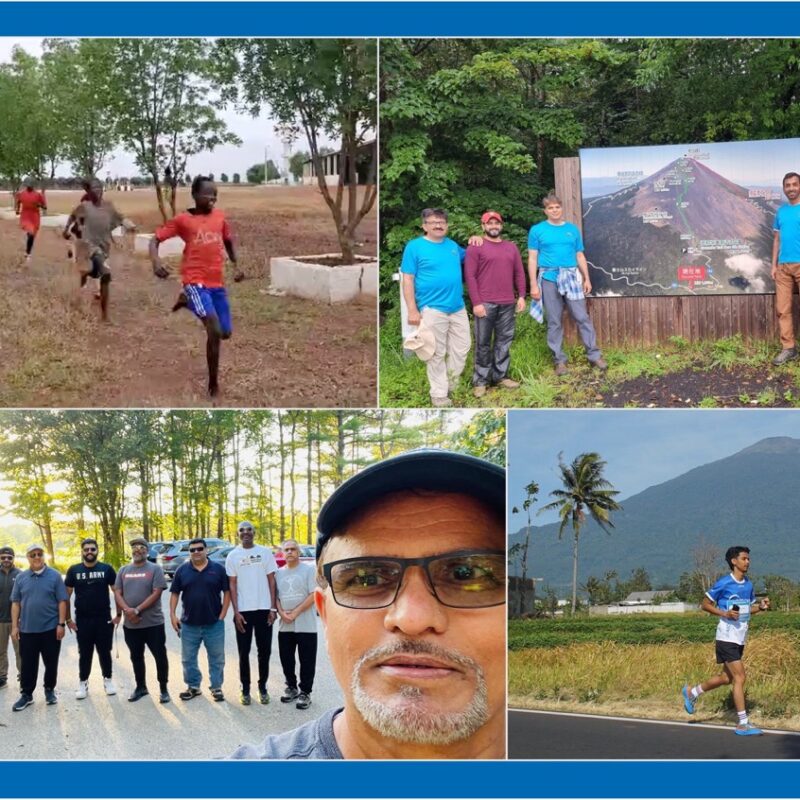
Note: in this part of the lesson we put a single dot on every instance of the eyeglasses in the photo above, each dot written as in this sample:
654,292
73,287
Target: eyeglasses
35,555
89,549
196,549
466,579
7,555
245,530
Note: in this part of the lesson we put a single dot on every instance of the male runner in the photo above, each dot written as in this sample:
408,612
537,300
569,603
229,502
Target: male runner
28,205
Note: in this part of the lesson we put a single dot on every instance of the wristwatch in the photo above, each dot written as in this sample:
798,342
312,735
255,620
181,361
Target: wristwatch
62,624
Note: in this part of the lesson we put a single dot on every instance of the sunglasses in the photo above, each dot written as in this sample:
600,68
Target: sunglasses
464,579
89,549
245,530
196,549
7,555
35,555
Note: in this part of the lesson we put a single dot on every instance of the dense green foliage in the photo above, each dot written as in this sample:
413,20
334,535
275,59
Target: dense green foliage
632,629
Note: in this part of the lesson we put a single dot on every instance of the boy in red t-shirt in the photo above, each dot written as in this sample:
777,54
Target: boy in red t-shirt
28,205
207,238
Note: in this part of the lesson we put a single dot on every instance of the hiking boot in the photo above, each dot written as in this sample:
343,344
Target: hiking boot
190,693
747,730
507,383
290,694
108,685
688,700
24,701
441,402
164,697
137,694
50,697
785,355
83,690
478,391
244,698
217,695
263,697
600,364
561,369
303,700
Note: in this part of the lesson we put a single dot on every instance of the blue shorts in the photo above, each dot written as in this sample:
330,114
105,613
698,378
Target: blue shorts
204,302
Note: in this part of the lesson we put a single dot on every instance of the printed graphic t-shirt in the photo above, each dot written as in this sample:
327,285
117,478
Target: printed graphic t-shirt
727,592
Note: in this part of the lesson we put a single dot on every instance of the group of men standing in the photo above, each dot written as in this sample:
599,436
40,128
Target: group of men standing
492,269
35,609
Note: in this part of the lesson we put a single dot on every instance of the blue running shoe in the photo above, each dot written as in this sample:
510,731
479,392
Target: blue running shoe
688,700
747,730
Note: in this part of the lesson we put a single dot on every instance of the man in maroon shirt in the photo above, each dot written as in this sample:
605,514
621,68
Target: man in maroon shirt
493,273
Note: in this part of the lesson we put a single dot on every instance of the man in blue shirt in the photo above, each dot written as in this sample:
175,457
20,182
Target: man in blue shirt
733,600
555,249
38,623
434,294
202,586
8,575
786,264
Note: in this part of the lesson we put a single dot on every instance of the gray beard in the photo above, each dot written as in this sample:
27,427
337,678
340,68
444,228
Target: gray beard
413,724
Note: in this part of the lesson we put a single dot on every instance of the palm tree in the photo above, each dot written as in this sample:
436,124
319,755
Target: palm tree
585,489
531,490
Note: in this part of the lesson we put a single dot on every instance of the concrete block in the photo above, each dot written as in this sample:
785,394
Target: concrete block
55,221
172,247
320,282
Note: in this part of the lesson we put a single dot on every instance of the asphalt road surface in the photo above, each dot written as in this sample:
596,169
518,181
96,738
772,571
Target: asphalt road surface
106,728
552,735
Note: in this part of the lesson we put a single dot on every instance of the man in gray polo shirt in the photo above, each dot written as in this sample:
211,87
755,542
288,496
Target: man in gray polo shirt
8,574
38,622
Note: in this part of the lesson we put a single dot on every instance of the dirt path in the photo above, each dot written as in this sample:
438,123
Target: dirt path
56,352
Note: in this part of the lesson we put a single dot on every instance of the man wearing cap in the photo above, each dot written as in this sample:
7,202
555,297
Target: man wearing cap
8,574
411,590
202,587
297,583
91,581
251,571
138,590
38,622
493,273
434,295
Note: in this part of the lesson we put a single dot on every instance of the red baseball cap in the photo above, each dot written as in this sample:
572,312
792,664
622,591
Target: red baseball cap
491,215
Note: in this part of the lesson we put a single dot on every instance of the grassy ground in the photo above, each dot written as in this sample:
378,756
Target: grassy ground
284,352
602,671
714,374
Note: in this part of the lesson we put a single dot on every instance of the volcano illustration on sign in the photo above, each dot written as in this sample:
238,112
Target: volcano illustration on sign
683,219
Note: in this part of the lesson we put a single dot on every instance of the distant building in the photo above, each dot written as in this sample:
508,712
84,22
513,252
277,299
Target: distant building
643,598
332,163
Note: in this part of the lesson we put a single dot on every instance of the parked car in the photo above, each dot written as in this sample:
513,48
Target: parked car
220,554
172,558
308,553
156,548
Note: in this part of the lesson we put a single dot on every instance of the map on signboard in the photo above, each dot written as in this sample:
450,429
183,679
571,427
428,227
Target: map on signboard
683,219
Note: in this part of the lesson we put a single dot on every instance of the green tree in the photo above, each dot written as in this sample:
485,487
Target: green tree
162,105
237,178
320,86
585,490
223,177
256,173
296,163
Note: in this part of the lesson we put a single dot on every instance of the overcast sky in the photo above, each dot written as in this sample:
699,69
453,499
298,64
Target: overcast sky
256,134
641,447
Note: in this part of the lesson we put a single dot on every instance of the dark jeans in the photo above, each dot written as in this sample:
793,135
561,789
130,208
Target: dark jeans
94,633
554,304
256,622
155,638
31,647
306,645
491,362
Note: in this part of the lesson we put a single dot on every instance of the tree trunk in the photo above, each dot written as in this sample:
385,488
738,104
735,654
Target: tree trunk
575,574
309,484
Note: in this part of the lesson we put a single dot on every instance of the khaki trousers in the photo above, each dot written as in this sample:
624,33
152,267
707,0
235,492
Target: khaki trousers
451,332
5,635
786,277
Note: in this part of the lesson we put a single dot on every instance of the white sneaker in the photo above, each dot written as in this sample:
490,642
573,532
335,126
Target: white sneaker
83,690
108,685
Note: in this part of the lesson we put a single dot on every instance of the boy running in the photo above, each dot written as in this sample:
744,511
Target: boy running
733,600
28,205
96,218
207,237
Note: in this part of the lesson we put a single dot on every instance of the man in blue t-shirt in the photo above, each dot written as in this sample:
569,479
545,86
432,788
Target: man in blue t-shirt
555,250
786,264
434,294
733,600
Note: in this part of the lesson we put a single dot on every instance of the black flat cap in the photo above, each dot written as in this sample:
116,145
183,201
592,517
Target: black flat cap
441,470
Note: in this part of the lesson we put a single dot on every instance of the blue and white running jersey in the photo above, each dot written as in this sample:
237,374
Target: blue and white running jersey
727,592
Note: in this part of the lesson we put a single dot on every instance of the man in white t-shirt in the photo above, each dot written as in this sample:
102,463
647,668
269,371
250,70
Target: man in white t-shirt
251,569
298,627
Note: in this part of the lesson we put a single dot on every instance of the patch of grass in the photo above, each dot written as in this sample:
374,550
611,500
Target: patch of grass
708,402
767,398
727,353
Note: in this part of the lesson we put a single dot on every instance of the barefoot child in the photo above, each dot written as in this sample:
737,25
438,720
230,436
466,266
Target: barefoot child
29,204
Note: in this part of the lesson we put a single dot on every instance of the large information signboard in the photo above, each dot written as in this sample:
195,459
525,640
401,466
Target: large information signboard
683,219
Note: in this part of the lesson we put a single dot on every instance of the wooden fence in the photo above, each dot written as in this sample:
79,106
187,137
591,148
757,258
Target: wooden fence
652,320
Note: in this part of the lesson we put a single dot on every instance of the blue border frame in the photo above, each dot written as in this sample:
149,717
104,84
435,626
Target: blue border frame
371,18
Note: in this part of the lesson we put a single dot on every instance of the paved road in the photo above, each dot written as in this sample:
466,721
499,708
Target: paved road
102,727
551,735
